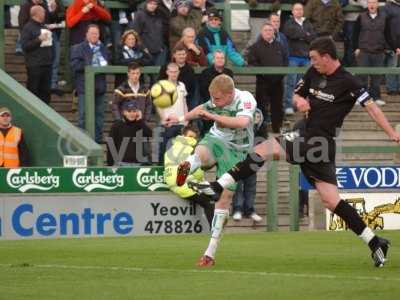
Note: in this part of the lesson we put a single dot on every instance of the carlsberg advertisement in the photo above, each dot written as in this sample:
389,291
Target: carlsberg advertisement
82,180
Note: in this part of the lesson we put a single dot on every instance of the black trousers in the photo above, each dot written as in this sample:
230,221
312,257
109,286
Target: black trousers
270,94
39,82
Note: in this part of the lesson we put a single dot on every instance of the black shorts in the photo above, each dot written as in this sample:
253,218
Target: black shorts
298,152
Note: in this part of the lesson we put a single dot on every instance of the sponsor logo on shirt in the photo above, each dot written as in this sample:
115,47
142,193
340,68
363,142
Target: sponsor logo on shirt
322,96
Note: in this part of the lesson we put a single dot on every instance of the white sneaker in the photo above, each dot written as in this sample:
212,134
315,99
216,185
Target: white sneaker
237,216
289,111
256,218
380,102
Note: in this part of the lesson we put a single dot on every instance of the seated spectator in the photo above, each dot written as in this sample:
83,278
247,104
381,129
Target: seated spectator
195,54
205,78
179,108
212,37
90,52
80,14
148,23
245,194
120,20
132,90
299,32
36,43
392,9
182,146
131,50
326,16
370,45
182,18
267,51
126,144
13,150
186,74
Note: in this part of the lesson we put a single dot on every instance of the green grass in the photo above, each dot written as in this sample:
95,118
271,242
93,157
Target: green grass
285,265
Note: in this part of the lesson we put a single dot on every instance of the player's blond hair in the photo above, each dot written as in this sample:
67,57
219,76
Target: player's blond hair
222,83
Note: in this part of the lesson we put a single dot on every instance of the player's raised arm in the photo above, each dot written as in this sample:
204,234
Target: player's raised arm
173,119
378,116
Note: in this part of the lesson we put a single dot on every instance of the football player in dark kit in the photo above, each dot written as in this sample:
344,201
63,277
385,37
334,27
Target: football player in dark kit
326,94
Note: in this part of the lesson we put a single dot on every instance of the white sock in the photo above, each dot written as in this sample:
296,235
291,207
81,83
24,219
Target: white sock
195,162
225,180
367,235
220,215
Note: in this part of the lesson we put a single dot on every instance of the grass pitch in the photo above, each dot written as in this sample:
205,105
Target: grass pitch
284,265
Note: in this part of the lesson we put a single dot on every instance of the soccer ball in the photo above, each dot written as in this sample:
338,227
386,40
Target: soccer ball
163,93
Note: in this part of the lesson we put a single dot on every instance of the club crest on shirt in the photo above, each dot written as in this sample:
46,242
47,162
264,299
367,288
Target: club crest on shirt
321,95
247,105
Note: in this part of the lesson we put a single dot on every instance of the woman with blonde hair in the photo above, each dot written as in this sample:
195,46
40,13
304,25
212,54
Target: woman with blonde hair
131,51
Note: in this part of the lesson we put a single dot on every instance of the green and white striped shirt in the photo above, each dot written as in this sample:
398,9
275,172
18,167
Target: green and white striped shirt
243,104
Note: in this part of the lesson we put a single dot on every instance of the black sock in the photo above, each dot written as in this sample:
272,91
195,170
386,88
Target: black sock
350,216
206,204
247,167
354,221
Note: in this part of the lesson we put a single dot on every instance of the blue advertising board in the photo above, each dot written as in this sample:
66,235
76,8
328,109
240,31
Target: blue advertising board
363,177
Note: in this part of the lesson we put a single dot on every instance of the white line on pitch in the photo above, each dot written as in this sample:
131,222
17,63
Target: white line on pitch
213,271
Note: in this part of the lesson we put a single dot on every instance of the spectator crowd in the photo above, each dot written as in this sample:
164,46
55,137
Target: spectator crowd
182,34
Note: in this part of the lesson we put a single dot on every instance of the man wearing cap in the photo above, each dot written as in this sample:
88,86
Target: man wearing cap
212,37
13,151
128,140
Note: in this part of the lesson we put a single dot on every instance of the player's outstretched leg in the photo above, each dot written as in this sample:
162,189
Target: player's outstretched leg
252,163
221,215
331,199
199,158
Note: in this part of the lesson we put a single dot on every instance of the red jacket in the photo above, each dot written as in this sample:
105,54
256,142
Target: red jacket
75,14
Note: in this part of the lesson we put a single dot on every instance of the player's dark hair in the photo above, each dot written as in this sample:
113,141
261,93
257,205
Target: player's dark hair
190,127
324,45
133,66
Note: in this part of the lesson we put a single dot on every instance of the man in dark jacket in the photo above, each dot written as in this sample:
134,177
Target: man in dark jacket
37,46
148,23
326,16
206,76
132,90
129,134
186,74
299,33
90,52
392,9
267,51
370,44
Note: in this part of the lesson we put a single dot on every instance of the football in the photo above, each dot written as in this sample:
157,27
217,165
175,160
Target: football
163,93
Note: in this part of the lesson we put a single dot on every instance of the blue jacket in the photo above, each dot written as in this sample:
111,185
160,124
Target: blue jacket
392,33
211,39
81,56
